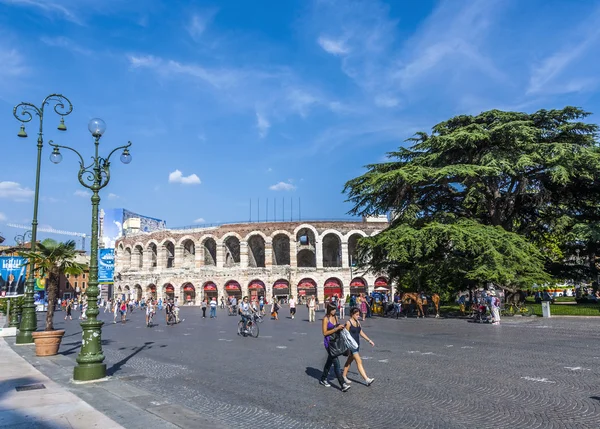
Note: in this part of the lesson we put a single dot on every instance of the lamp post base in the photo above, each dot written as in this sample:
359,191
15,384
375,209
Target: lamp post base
24,337
89,372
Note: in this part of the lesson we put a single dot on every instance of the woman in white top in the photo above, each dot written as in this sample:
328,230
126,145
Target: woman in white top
292,303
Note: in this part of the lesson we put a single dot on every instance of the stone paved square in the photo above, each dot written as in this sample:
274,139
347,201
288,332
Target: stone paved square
432,373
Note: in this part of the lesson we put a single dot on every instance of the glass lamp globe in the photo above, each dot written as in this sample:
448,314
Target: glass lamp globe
56,157
125,157
97,127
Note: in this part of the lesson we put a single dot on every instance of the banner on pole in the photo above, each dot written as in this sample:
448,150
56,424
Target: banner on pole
12,275
106,265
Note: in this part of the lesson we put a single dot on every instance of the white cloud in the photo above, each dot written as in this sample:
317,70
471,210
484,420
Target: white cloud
82,194
269,170
15,191
3,217
65,43
13,64
199,220
199,22
282,186
333,47
262,124
178,177
112,196
545,77
47,7
386,101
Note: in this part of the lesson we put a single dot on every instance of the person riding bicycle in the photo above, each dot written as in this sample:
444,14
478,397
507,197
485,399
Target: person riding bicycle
169,308
149,311
246,311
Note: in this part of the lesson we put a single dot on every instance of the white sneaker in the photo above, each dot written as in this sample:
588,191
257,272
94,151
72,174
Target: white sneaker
347,381
369,381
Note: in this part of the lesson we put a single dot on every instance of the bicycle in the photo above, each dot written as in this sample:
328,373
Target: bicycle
257,317
251,328
511,309
150,317
171,320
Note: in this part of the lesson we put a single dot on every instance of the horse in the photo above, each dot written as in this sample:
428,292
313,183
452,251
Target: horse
416,298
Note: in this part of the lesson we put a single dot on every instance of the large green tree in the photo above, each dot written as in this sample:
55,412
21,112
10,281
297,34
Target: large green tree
52,259
532,175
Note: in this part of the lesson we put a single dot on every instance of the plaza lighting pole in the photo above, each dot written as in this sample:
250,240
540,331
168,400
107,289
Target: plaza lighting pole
24,112
94,176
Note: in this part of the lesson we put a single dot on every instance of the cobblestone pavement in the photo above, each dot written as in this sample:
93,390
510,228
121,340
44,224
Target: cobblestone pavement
444,373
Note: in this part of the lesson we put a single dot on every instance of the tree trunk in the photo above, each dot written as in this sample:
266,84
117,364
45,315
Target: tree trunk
52,289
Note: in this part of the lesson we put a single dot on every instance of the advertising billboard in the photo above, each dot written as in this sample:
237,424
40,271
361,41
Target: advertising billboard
115,223
106,265
12,275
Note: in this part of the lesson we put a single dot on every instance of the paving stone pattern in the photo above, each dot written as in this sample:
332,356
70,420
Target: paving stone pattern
444,373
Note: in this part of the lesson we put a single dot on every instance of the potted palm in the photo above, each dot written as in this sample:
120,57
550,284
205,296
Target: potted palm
51,259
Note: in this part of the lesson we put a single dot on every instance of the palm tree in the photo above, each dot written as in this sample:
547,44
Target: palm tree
52,259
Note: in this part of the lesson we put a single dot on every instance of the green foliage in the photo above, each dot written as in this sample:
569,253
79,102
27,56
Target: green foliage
508,191
4,303
51,259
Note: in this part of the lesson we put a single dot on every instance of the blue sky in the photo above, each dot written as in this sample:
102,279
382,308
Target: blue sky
227,101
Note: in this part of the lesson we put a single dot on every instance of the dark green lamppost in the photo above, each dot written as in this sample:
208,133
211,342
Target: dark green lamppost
94,176
24,112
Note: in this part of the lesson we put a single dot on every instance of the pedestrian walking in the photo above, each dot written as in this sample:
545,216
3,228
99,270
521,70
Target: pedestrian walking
494,307
222,303
363,306
330,326
353,326
69,310
275,309
292,303
84,309
311,308
342,308
123,312
213,308
116,309
204,305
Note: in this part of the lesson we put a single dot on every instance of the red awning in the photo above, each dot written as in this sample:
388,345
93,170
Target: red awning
280,286
170,288
152,288
381,281
357,283
232,287
306,286
256,286
332,283
189,288
210,287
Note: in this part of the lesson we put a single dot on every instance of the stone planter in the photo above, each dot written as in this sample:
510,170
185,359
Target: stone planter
47,342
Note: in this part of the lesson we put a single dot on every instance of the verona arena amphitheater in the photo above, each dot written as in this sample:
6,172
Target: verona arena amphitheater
264,259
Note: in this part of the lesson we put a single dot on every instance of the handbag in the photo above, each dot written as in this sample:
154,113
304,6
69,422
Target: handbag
337,345
348,340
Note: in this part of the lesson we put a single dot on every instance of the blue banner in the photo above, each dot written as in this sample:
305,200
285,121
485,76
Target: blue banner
12,275
106,265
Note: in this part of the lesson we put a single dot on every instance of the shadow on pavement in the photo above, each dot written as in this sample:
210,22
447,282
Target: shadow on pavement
13,417
117,366
314,372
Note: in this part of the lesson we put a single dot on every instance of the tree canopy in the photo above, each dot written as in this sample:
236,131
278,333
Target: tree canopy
532,177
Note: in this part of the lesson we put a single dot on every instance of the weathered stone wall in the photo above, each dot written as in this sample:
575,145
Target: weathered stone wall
189,259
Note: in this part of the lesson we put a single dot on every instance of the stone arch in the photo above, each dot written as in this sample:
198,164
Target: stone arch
256,288
256,232
307,287
188,252
138,256
127,257
352,238
168,291
333,287
306,241
358,285
127,292
281,248
332,249
188,294
382,281
151,291
210,289
209,249
281,287
138,292
256,250
231,250
233,288
152,247
168,247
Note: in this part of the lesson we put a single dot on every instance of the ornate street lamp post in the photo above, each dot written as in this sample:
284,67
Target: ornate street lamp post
24,112
94,176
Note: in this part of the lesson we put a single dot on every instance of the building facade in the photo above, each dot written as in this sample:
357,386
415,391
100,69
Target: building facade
263,259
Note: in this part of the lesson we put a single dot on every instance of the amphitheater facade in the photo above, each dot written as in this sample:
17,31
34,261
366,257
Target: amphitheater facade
262,259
